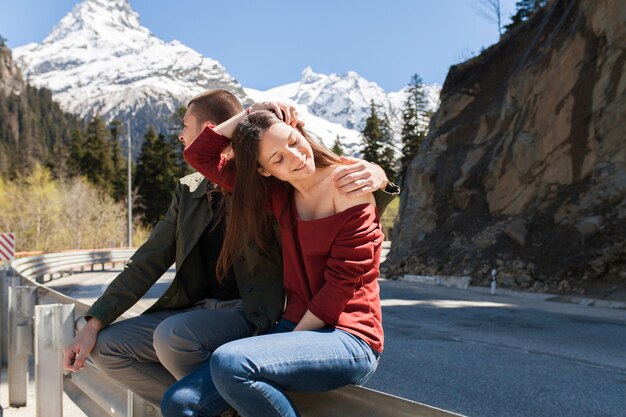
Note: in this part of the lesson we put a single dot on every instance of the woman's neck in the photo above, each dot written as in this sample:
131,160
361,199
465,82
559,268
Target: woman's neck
314,197
307,186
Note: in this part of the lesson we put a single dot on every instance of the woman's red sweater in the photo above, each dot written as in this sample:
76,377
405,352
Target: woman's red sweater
331,264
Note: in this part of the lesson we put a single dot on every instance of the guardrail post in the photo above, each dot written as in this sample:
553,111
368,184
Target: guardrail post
7,279
22,301
54,327
138,407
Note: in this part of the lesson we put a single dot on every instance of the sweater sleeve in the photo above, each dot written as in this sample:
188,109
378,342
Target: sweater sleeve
352,257
205,155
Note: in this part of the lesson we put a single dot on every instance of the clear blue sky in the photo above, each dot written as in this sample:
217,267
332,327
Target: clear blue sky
267,43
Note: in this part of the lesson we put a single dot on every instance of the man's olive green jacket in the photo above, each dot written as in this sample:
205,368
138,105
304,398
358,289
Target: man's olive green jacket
174,240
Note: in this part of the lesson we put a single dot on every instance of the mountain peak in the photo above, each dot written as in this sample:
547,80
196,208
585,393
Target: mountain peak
99,60
110,21
309,76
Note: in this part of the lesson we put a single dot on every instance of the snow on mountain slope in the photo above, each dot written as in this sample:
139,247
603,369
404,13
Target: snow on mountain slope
323,129
100,60
337,105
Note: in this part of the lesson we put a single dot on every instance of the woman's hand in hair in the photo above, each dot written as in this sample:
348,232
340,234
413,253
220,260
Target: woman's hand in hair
285,112
358,177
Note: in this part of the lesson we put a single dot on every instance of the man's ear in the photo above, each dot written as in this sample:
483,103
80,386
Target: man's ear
263,172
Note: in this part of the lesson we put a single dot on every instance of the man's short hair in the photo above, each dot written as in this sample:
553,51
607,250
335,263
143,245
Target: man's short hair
215,106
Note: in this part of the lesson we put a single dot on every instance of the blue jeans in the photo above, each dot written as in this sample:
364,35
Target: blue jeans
253,374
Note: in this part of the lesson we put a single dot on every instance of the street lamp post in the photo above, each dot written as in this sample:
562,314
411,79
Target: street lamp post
130,205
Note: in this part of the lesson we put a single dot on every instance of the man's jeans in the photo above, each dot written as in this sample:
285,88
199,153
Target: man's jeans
252,374
150,352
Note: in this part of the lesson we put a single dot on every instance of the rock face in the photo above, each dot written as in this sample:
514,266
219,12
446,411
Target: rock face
11,81
524,169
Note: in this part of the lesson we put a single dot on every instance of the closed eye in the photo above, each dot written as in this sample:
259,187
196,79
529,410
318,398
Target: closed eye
292,139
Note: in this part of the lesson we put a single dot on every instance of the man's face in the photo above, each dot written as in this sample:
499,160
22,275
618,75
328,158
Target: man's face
192,127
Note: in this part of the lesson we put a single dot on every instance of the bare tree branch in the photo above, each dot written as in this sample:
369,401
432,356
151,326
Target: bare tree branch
491,10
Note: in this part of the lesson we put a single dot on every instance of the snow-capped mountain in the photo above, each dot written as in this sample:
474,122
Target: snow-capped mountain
100,60
337,105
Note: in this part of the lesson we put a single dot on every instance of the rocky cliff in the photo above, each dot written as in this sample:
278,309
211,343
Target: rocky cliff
11,81
524,169
33,128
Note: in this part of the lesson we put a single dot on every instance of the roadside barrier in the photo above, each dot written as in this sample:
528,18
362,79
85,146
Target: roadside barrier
55,319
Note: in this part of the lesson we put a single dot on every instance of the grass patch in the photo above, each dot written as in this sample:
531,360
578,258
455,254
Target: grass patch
389,217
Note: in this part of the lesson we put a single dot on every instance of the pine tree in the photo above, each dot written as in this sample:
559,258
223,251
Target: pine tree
97,161
119,162
30,150
414,115
372,136
525,9
387,155
75,157
182,167
155,177
337,147
57,162
378,142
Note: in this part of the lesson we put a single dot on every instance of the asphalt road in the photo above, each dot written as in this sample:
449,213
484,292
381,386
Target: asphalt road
481,355
498,356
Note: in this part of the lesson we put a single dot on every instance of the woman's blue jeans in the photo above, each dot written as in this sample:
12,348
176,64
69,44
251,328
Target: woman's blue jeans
253,374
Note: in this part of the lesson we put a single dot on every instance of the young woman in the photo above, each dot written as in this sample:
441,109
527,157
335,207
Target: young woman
331,332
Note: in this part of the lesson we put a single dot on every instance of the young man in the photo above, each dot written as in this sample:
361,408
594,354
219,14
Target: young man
196,314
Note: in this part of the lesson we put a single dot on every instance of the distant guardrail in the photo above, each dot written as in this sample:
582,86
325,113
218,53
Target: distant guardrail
97,394
42,268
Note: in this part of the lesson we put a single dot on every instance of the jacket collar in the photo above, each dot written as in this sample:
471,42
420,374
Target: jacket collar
203,188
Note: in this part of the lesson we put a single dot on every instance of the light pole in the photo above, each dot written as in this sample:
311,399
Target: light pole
130,205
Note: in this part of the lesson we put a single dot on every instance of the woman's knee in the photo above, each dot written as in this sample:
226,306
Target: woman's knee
229,363
193,395
175,403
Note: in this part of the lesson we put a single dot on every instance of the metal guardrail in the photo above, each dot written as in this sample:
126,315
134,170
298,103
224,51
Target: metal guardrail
43,268
99,395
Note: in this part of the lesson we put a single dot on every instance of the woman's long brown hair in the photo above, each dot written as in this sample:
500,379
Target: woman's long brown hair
250,220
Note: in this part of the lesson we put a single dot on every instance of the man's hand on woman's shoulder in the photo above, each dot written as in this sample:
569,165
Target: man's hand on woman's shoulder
358,177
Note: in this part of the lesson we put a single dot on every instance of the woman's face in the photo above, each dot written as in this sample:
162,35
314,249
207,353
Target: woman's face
285,154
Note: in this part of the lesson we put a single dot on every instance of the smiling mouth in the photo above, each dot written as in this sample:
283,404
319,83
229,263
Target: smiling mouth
301,166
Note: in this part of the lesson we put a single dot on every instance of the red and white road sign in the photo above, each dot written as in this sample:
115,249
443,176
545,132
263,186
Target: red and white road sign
7,246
